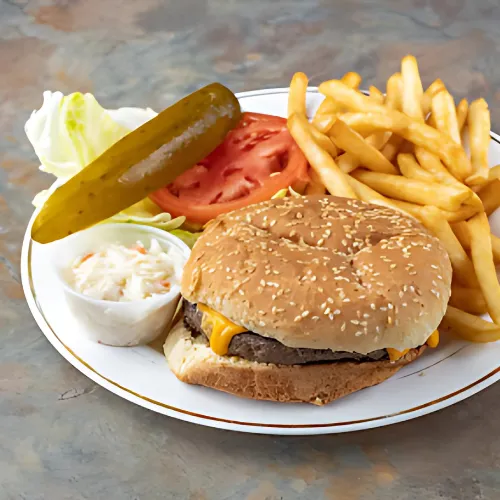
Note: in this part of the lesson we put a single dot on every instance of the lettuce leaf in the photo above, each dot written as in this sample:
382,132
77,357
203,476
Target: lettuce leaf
187,237
69,132
283,193
148,214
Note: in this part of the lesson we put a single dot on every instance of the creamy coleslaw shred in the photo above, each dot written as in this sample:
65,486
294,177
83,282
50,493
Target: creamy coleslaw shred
123,274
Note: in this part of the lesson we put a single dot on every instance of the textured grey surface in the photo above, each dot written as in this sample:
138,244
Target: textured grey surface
63,437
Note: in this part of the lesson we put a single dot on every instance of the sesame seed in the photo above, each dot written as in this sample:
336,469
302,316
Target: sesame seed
297,319
305,314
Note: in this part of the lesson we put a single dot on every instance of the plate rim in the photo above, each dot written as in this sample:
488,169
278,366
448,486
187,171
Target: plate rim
233,425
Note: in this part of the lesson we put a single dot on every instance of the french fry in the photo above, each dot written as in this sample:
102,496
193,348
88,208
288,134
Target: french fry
423,193
463,213
328,172
494,173
410,208
495,246
393,146
445,115
461,230
470,327
369,195
460,262
470,300
412,88
435,87
323,123
368,123
490,196
376,95
315,185
352,80
462,111
430,162
297,94
323,141
412,170
416,132
479,125
394,92
484,266
328,109
348,162
351,142
418,211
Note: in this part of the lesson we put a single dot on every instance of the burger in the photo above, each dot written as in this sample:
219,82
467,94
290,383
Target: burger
308,299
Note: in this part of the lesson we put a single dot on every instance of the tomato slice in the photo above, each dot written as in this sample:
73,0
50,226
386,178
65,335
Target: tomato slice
256,160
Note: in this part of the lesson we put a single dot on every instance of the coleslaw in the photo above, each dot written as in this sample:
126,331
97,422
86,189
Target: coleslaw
122,274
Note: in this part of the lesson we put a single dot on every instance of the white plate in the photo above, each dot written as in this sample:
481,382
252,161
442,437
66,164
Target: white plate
440,378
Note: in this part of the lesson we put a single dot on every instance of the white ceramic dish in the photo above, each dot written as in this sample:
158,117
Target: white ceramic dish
106,322
440,378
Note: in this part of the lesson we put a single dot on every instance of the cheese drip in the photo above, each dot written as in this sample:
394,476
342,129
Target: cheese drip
223,330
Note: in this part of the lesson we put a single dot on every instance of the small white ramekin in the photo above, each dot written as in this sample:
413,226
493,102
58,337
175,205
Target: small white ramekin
116,323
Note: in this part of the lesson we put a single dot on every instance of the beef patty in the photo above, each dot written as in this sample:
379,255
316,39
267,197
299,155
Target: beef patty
254,347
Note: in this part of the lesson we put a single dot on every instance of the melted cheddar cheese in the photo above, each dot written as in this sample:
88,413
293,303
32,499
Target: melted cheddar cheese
223,330
394,354
432,341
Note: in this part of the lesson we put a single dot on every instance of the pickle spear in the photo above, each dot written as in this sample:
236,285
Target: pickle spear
143,161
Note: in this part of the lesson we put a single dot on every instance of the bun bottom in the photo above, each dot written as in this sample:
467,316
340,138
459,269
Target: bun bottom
192,361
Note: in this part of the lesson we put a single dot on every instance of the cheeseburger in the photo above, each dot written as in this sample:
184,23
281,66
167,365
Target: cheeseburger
308,299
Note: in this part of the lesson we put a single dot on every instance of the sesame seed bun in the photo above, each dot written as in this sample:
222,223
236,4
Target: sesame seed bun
192,361
322,272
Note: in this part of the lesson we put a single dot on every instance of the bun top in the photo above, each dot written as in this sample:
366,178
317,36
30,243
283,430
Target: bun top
322,272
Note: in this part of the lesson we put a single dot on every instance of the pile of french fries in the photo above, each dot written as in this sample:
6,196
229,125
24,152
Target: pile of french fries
418,152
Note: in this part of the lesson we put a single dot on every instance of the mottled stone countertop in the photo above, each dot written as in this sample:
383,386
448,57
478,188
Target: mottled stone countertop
64,437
